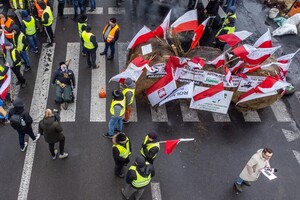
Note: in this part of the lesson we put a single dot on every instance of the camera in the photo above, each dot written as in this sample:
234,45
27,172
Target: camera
56,115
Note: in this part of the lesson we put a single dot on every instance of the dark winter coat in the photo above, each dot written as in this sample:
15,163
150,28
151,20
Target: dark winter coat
51,130
19,110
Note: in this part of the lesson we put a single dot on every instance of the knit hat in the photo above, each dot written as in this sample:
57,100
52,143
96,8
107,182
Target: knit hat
140,161
42,4
128,82
113,20
121,137
88,28
117,95
152,135
24,13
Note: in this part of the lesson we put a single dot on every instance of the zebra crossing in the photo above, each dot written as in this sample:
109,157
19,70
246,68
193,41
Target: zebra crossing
98,11
98,80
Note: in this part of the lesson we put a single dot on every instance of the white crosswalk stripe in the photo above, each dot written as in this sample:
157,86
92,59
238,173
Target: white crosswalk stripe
280,111
97,11
159,114
219,117
251,116
297,155
155,190
116,10
188,115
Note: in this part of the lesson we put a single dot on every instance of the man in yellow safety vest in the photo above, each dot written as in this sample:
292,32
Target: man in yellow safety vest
150,147
128,92
90,45
47,20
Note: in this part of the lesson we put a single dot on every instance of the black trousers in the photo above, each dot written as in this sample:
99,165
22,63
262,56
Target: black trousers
60,9
18,74
49,33
61,147
91,57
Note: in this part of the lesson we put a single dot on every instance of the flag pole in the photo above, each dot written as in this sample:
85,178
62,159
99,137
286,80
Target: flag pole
180,140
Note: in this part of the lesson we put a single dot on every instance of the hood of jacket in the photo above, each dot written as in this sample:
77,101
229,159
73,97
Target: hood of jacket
48,120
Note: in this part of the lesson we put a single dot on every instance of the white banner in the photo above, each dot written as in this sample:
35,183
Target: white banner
214,78
251,82
159,69
188,75
128,73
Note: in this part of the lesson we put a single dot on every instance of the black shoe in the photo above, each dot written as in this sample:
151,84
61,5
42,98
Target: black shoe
91,10
247,183
110,58
23,85
103,53
125,122
27,68
96,67
107,136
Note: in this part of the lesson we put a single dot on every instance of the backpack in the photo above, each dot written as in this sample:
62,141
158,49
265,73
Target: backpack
17,122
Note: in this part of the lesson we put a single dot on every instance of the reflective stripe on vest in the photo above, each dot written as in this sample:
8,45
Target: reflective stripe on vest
30,26
50,19
1,70
19,45
121,103
80,28
140,181
112,32
14,57
124,152
87,40
7,34
129,90
17,4
149,146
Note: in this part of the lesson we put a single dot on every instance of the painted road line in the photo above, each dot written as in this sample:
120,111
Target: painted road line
159,114
116,10
70,11
37,109
298,95
297,155
219,117
73,52
98,105
155,190
291,135
188,115
251,116
54,12
122,54
280,111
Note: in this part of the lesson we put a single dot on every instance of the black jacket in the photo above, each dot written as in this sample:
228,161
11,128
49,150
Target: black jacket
24,114
60,75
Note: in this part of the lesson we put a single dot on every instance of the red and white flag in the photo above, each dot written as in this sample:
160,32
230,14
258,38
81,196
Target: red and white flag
161,89
233,39
250,68
236,67
219,61
259,55
265,41
287,58
138,63
170,146
142,36
5,85
198,32
187,22
174,63
216,91
196,63
128,73
162,30
253,94
243,51
284,67
2,40
228,76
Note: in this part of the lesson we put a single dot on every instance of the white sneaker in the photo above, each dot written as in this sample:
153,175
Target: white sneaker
25,145
64,155
37,137
55,152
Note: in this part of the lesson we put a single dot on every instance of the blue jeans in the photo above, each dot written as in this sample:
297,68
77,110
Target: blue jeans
112,48
33,42
93,4
239,181
78,3
111,125
24,55
28,131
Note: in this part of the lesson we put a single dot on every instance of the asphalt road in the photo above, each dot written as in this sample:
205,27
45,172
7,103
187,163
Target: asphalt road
201,170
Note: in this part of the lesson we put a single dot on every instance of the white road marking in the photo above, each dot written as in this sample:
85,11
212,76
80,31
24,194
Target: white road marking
70,11
159,114
291,135
98,105
122,54
219,117
298,95
73,52
37,109
251,116
116,10
280,111
155,190
188,115
297,155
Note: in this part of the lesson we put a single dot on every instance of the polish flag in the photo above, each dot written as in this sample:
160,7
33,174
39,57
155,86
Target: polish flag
236,67
233,39
253,94
212,91
198,32
161,89
162,30
249,68
219,61
138,63
265,41
128,73
170,146
142,36
2,40
243,51
175,62
5,85
187,22
284,67
287,58
228,76
196,63
259,55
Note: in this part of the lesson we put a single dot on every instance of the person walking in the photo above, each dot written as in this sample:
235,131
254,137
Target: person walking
252,170
6,26
121,150
21,44
47,20
150,147
92,5
117,110
128,92
90,44
110,35
39,13
21,121
13,60
138,178
82,23
29,28
60,9
51,128
78,4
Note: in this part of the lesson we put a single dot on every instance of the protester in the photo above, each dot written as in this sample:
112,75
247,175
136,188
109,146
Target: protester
6,26
128,92
77,4
110,35
117,110
150,147
138,178
252,170
21,121
90,44
229,3
92,5
60,9
121,150
29,28
82,23
47,20
39,13
51,128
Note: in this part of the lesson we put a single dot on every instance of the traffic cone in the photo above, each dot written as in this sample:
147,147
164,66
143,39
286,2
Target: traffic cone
102,93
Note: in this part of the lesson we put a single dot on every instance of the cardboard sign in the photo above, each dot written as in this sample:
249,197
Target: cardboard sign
251,82
159,71
188,75
146,49
214,78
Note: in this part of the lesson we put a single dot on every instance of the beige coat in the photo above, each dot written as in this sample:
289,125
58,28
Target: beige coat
252,169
